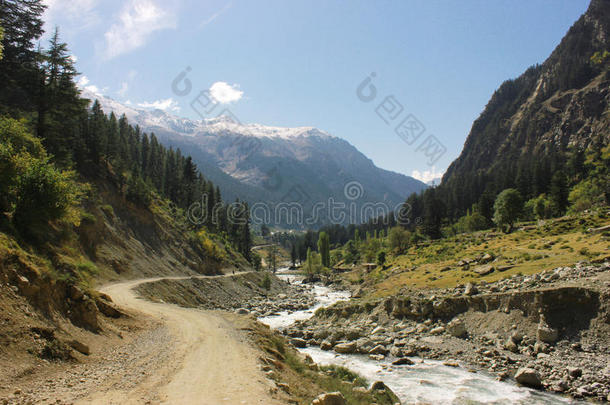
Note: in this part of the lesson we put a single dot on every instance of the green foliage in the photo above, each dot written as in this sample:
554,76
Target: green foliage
324,249
108,210
350,252
32,188
256,261
272,258
507,208
87,219
381,257
345,374
586,195
599,57
471,222
138,191
313,264
266,282
293,255
45,194
369,249
540,207
399,239
211,248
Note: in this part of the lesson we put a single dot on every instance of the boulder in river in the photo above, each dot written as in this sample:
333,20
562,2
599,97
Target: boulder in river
379,349
298,342
346,348
403,361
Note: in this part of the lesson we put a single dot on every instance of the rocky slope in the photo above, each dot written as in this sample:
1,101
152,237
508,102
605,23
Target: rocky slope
550,330
563,103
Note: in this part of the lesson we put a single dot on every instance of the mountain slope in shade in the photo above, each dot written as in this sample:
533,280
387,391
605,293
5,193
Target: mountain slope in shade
560,105
273,165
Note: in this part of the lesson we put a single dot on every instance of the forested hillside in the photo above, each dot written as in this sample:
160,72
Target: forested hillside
56,145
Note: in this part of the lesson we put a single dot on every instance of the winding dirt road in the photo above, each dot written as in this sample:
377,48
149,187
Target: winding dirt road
209,362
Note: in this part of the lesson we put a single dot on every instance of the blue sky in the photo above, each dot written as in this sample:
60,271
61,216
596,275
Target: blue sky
299,63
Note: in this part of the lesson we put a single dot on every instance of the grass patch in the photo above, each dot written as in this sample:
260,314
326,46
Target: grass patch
556,243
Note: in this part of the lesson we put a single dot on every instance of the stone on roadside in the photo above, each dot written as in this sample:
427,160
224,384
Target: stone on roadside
79,347
330,398
243,311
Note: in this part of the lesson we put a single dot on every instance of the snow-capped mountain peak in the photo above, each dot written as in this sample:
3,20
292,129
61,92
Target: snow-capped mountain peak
156,119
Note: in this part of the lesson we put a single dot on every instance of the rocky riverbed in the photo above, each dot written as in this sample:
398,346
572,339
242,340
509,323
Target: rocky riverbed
549,331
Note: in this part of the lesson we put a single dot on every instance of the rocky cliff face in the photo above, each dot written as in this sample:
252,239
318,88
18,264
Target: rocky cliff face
561,104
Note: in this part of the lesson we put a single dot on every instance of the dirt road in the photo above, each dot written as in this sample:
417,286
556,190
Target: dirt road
208,361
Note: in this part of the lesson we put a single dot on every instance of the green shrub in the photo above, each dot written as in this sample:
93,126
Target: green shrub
108,210
266,282
87,219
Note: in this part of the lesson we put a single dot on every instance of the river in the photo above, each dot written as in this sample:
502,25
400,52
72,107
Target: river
426,382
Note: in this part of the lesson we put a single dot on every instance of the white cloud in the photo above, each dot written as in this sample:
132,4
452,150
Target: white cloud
72,14
169,104
137,21
224,93
427,175
83,83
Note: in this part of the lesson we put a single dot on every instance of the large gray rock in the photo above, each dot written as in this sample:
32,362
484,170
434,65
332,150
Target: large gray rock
528,377
457,328
330,398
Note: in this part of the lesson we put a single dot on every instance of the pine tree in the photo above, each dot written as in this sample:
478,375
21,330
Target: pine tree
293,255
324,248
19,74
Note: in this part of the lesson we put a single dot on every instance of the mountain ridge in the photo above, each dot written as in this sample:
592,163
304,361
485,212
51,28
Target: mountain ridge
273,165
